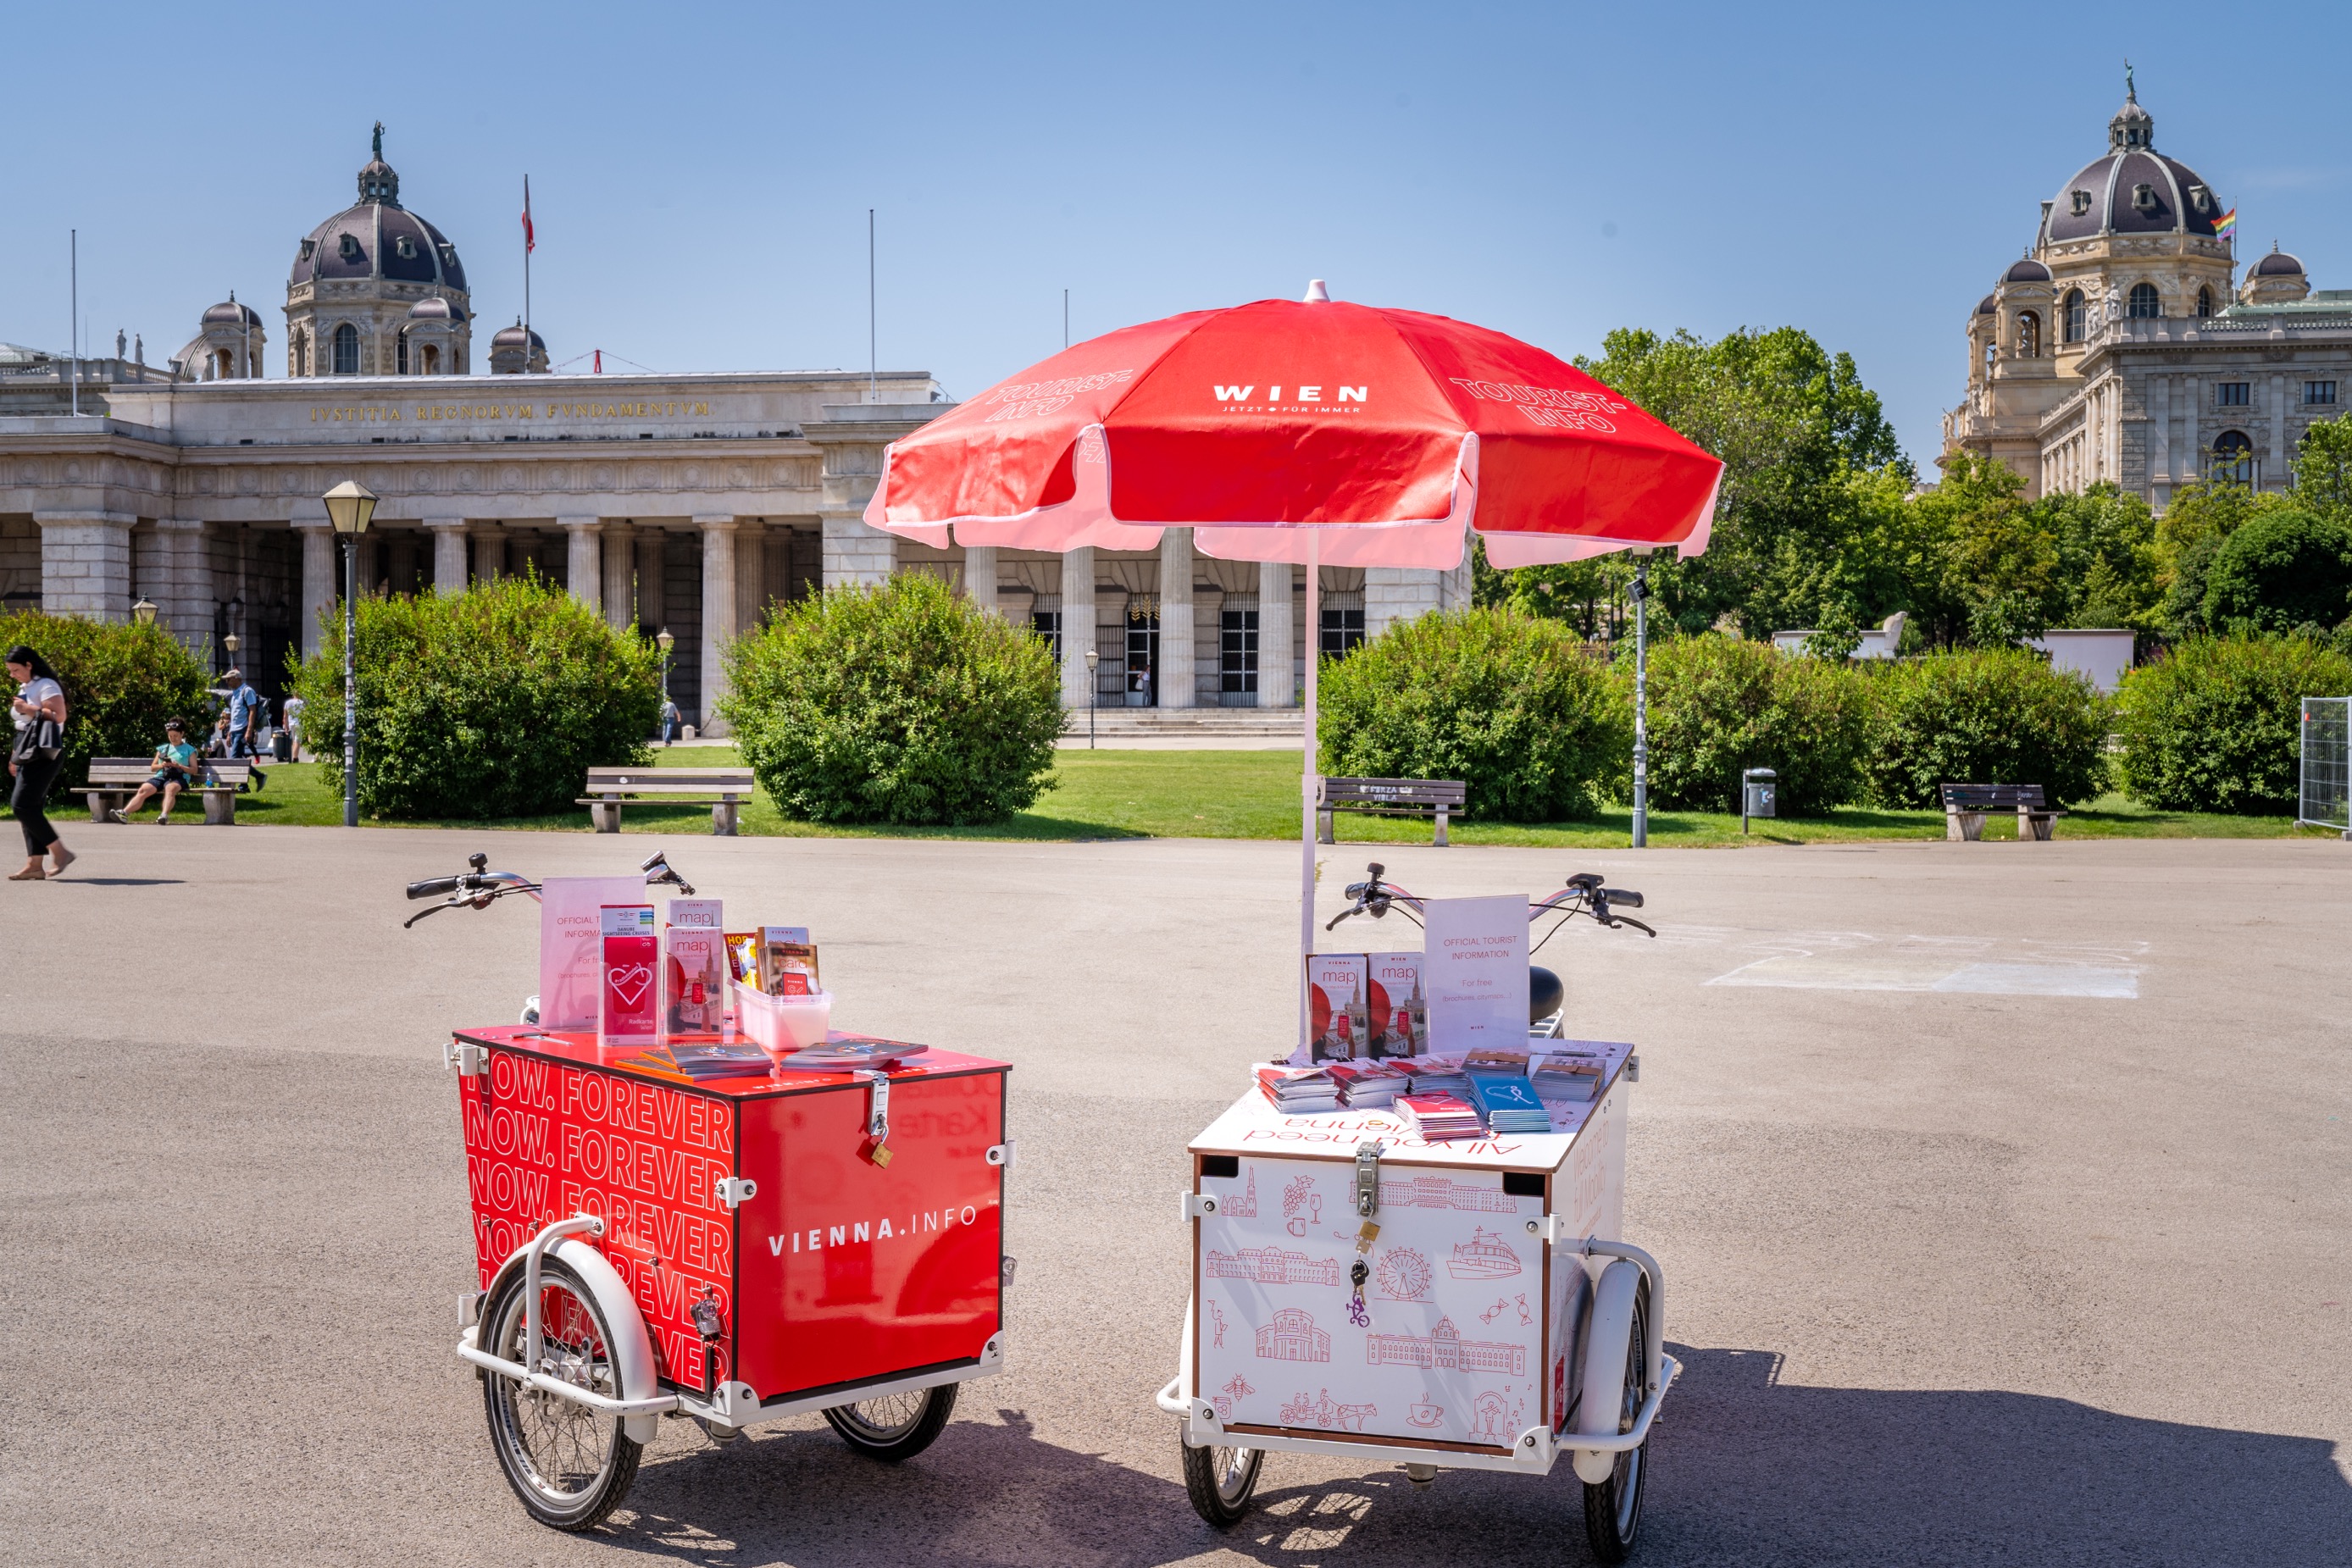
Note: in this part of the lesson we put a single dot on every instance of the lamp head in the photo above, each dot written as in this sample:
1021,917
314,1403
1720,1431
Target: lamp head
350,507
232,642
143,612
1093,658
664,640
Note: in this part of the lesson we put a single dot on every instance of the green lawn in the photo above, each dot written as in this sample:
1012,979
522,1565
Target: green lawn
1255,795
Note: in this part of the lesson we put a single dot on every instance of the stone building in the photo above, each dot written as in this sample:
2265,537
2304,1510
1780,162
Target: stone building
2123,346
687,503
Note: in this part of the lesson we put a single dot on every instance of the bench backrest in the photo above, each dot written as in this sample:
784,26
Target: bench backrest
106,770
1992,797
1394,792
669,781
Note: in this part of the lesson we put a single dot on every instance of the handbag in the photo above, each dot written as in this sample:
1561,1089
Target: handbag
41,740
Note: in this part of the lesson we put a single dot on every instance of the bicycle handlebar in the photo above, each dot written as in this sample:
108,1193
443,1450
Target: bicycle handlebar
480,887
433,887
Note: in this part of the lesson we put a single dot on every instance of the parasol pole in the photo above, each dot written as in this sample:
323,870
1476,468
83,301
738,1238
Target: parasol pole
1310,783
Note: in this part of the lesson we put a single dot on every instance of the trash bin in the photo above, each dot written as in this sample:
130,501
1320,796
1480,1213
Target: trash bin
1759,795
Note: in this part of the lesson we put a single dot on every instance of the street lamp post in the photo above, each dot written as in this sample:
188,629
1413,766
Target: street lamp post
350,507
665,642
1094,695
143,612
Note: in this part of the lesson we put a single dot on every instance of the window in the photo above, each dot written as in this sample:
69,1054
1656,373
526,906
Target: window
351,248
2144,302
2233,458
1047,624
2073,306
2144,198
432,360
1237,657
403,354
2029,336
2319,391
297,355
405,249
2231,394
1991,353
1343,633
2204,302
347,349
2080,200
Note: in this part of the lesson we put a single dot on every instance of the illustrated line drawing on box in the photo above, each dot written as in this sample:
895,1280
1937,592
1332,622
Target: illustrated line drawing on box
1291,1335
1403,1274
1497,1421
1426,1412
1486,1256
1245,1206
1525,1317
1496,1311
1272,1266
1323,1413
1302,1206
1229,1395
1437,1192
1442,1350
1217,1316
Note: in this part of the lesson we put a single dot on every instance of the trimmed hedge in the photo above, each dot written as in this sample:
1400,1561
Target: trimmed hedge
121,682
1720,704
898,703
1993,715
2213,726
492,703
1504,701
2281,569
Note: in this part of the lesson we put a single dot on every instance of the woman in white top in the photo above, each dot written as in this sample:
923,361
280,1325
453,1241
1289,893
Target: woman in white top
39,696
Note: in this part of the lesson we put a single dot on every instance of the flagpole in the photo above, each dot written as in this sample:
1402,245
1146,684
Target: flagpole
873,356
526,274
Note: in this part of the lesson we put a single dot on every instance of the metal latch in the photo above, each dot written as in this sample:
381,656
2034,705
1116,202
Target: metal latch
1551,1229
1367,1178
1634,1068
1004,1270
1001,1154
735,1191
1200,1205
468,1059
878,1106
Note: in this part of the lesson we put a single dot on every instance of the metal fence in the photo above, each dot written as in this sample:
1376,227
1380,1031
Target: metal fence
2327,740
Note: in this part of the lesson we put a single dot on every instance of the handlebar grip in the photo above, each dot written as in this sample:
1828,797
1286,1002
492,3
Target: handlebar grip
433,887
1625,896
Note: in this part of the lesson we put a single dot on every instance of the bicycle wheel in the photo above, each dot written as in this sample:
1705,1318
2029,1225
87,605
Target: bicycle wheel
895,1426
1219,1481
1613,1508
570,1465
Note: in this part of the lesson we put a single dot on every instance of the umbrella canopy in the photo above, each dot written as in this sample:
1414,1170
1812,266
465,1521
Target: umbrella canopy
1370,437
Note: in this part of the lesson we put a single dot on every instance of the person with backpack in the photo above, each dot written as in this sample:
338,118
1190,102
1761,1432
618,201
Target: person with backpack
246,711
39,710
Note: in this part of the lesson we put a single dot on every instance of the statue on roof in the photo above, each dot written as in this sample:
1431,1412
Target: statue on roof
379,139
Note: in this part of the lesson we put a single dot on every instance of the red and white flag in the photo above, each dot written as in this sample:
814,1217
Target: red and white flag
529,240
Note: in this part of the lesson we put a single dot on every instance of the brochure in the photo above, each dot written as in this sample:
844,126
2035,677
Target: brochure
569,969
694,975
1399,1013
1509,1105
787,961
630,1013
1339,1009
1297,1090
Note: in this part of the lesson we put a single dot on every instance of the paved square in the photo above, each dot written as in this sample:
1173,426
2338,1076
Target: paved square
2002,1191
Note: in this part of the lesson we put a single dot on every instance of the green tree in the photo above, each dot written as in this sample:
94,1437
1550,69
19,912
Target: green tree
1795,428
2109,568
1720,704
2281,570
2212,727
121,681
2323,469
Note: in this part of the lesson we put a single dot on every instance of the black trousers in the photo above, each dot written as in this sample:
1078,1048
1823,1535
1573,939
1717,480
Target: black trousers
33,781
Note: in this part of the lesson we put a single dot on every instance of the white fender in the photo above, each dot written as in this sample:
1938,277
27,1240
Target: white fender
631,1347
1604,1366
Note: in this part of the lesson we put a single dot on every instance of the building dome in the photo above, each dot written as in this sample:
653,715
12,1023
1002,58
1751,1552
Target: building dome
2278,263
435,309
2133,189
508,354
229,313
2026,271
376,290
1985,306
377,239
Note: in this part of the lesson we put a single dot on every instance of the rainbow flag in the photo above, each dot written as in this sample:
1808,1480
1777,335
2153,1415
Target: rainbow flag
2226,227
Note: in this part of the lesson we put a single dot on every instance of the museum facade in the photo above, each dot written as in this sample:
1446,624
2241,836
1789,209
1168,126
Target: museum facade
680,503
2123,346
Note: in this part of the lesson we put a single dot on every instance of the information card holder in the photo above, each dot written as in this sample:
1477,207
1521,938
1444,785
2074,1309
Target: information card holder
570,971
694,972
1476,973
629,1015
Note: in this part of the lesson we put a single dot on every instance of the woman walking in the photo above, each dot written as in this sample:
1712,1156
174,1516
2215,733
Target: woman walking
40,713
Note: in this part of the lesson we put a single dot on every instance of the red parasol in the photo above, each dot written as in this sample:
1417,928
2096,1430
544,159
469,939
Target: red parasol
1313,432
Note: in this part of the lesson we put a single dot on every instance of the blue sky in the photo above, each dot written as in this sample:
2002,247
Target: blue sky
700,174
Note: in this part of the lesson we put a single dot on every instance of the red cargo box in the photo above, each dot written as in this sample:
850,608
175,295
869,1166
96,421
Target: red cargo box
829,1273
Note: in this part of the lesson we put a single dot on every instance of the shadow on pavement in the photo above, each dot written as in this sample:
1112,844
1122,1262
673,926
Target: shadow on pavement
1745,1470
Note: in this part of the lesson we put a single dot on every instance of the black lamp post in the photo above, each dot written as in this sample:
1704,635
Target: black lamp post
350,507
1094,695
665,642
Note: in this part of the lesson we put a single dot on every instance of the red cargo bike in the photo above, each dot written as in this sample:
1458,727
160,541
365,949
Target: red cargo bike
825,1234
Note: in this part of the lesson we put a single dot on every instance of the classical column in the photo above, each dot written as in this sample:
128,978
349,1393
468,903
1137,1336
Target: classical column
449,553
1277,671
490,551
980,575
86,564
2277,478
1174,676
751,575
184,607
583,563
318,579
2194,403
856,554
1077,628
2160,441
620,577
652,585
718,613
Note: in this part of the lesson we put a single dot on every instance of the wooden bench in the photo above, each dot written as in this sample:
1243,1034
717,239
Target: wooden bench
1965,805
114,779
1389,798
723,789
